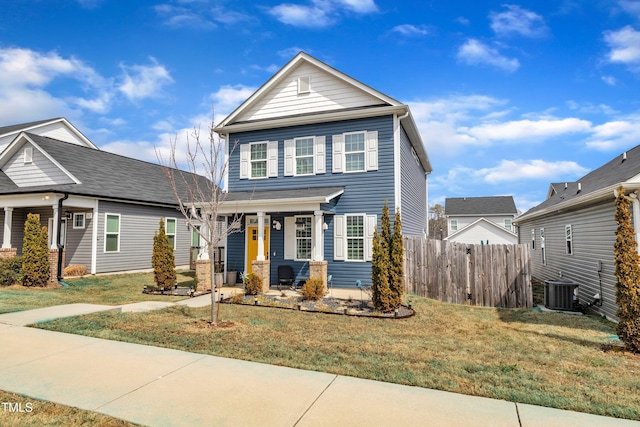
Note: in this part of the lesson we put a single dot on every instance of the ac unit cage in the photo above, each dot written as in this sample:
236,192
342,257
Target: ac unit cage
560,295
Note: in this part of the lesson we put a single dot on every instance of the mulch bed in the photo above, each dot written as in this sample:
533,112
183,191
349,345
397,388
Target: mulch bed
325,305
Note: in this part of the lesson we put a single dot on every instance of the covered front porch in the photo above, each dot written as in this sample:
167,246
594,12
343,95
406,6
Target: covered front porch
281,227
69,223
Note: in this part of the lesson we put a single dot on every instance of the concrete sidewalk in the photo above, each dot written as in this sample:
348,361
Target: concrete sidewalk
162,387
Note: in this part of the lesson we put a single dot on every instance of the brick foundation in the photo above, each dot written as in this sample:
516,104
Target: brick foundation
203,274
8,253
318,270
263,270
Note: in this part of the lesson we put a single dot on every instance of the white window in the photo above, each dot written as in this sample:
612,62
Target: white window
259,160
304,237
353,237
533,238
53,240
170,226
304,156
507,223
569,239
78,220
28,155
112,233
453,225
543,254
355,152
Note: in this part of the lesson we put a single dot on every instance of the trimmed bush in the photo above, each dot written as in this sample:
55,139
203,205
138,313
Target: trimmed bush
35,253
627,273
163,260
313,289
252,284
10,271
74,270
396,269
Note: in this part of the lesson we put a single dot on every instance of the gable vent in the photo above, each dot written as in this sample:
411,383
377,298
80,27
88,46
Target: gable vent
28,155
304,84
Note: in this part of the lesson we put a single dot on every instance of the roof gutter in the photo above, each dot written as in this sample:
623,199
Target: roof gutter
602,194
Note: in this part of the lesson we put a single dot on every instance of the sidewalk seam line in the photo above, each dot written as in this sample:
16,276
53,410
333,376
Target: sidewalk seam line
314,401
148,383
518,414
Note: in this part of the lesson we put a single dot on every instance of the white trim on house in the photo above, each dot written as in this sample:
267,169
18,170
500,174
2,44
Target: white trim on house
296,204
94,237
61,120
397,171
84,219
510,235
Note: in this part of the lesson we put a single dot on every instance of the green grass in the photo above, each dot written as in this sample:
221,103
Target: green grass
109,290
38,413
547,359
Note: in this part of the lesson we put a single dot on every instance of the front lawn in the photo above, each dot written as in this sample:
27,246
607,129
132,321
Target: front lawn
109,290
547,359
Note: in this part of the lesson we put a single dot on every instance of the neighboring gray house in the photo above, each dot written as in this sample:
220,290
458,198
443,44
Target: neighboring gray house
481,220
572,233
317,155
105,207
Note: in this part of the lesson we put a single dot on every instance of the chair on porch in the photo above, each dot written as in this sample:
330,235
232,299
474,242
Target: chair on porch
285,277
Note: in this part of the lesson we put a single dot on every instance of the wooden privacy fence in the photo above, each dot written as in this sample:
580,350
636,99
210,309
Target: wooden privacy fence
482,275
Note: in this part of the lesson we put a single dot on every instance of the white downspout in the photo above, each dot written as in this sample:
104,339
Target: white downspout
397,171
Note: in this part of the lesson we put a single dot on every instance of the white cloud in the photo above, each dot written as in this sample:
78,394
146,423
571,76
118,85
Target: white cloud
144,81
319,13
511,170
409,30
474,52
519,21
525,130
624,46
228,98
631,7
610,80
617,134
24,79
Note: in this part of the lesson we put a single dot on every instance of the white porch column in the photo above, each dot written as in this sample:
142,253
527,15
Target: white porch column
260,256
8,220
318,247
53,233
94,238
204,246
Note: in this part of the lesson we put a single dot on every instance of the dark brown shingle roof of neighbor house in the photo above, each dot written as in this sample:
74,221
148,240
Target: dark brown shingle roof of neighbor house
480,206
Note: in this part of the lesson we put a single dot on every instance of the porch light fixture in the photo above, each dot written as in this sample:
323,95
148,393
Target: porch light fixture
276,225
325,226
68,214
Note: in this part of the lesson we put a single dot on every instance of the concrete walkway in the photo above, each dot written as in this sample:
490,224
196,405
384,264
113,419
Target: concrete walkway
162,387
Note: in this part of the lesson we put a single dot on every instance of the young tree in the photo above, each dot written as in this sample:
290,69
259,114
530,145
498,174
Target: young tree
627,272
437,222
199,191
163,259
35,253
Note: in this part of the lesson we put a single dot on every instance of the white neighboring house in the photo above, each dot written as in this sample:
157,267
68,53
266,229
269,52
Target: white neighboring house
481,220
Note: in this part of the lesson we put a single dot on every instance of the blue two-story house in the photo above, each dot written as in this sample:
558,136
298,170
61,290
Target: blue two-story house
313,156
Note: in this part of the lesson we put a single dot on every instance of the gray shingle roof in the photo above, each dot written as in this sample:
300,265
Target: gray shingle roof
480,206
103,174
14,128
613,172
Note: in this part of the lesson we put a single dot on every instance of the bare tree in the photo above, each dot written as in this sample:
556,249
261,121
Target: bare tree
199,192
438,222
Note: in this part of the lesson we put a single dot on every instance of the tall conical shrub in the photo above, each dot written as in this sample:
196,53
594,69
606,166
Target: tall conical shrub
396,269
163,259
627,272
381,293
35,253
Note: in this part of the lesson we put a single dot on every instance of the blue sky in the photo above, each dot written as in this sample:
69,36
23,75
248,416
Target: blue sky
508,96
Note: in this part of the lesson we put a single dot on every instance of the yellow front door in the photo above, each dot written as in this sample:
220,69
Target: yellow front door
252,246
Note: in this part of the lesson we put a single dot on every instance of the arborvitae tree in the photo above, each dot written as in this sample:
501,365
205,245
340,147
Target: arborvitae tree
627,273
35,253
163,260
396,269
381,293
